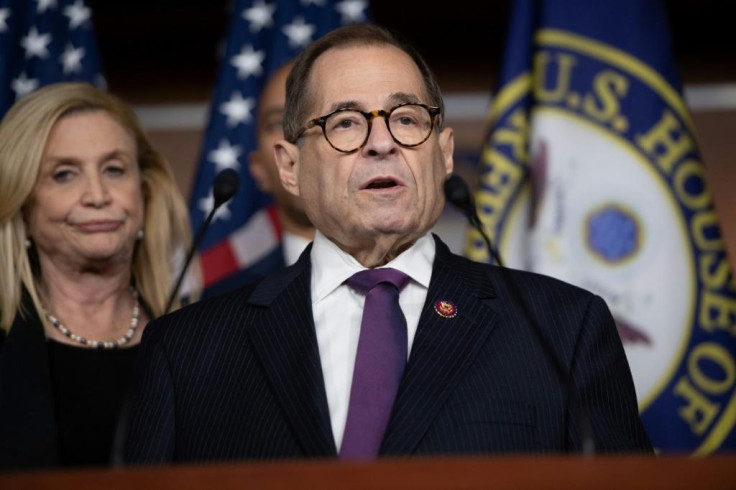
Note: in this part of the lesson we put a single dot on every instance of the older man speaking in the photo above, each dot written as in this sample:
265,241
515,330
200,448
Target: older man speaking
379,341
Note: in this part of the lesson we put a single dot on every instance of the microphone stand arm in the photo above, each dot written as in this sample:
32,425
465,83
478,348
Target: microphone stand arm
195,244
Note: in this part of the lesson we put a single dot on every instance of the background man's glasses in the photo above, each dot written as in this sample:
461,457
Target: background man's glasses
347,130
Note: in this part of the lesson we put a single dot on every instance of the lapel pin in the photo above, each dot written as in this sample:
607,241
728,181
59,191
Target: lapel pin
445,309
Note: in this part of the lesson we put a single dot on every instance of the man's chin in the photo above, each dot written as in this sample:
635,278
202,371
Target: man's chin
397,235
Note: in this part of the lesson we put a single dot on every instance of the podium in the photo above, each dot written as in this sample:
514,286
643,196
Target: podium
601,472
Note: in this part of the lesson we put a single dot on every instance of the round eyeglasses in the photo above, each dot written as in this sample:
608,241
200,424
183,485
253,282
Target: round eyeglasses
347,130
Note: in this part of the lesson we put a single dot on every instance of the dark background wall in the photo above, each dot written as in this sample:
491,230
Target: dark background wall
166,50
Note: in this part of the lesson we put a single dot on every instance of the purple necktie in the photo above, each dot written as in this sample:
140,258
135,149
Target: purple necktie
379,362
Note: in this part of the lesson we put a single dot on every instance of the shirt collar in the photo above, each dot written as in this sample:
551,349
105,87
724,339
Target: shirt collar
331,266
293,246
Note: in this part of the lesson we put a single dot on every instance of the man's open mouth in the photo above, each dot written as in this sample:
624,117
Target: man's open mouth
382,184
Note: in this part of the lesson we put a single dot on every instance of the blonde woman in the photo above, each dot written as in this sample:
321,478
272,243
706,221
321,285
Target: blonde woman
90,218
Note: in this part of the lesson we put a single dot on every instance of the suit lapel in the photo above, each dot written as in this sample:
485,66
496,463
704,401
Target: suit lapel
443,348
284,338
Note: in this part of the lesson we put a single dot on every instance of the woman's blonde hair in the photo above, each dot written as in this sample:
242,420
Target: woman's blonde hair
23,135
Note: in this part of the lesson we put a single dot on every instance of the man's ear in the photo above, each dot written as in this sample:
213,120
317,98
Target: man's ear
259,173
287,159
447,145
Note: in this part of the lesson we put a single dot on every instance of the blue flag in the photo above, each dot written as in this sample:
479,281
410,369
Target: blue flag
245,235
43,42
591,174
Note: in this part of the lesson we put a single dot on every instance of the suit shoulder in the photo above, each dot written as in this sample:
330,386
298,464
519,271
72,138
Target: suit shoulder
226,310
203,314
531,283
477,273
535,280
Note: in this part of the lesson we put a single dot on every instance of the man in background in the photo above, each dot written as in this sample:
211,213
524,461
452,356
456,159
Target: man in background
296,229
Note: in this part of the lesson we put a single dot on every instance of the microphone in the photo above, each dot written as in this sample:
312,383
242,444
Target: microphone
224,188
458,194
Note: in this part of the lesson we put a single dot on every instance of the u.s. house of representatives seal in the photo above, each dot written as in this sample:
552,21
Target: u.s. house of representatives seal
617,204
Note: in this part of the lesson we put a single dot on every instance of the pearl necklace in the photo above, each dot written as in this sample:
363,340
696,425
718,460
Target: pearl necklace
100,344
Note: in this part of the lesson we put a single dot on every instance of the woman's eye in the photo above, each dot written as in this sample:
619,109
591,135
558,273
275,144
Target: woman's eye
63,175
115,171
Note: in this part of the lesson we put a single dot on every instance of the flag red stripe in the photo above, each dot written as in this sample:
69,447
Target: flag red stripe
218,262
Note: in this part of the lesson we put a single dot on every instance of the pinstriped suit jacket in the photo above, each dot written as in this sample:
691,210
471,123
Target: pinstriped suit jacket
239,376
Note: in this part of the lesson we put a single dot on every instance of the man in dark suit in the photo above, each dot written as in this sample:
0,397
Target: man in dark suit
438,355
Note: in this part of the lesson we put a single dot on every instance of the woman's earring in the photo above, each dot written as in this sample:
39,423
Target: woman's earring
29,243
140,234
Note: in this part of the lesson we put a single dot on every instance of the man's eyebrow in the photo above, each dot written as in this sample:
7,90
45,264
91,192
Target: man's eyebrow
403,98
345,104
393,99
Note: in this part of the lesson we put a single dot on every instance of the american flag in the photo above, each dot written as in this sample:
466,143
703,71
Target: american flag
43,42
262,36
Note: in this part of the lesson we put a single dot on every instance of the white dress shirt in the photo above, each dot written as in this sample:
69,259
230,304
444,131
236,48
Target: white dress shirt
292,246
338,311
